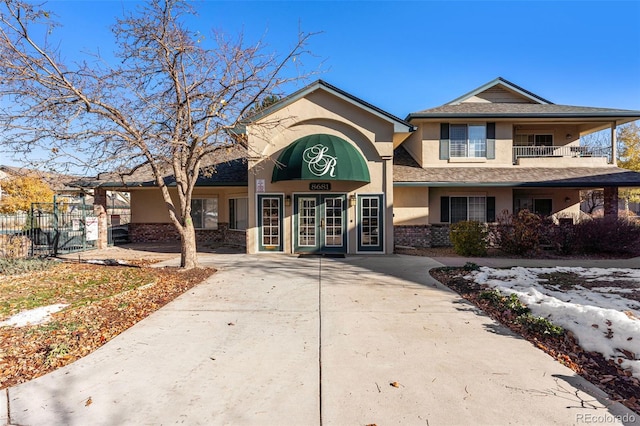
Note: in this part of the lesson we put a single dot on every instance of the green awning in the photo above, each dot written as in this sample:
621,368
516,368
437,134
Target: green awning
321,157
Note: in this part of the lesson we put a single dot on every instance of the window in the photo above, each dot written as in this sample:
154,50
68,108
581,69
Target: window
477,208
467,141
204,213
533,140
238,214
540,206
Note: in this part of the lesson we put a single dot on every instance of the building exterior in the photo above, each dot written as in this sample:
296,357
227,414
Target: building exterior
326,172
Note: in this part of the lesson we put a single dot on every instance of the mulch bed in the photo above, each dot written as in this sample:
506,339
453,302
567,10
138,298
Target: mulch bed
619,384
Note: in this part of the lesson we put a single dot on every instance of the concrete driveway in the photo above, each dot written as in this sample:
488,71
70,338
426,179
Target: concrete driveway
280,340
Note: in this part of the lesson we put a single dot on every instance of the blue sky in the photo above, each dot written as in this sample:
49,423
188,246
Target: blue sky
405,56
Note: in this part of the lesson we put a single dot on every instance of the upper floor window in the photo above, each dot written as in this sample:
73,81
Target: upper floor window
467,140
533,140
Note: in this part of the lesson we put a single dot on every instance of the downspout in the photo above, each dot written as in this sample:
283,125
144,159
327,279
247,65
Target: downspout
614,144
388,199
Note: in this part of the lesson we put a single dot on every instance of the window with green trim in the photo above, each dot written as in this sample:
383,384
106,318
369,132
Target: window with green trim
270,217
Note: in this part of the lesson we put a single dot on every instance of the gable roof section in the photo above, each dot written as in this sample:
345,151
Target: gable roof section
399,125
530,96
406,172
537,107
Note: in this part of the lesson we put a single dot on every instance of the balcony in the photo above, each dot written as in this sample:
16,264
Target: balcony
551,156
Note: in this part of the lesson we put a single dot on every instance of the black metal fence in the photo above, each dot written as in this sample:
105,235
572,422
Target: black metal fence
49,229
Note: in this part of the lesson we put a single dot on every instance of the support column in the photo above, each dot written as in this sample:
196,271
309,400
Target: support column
614,144
387,187
100,211
611,201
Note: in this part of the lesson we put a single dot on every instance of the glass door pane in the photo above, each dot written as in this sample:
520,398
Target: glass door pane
307,222
270,221
333,226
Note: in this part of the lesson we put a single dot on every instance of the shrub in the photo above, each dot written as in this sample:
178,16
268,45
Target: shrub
20,266
14,246
540,325
470,266
522,313
519,234
469,238
609,235
502,302
494,297
561,237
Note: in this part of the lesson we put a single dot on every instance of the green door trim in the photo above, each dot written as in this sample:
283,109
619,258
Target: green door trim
270,235
320,209
370,222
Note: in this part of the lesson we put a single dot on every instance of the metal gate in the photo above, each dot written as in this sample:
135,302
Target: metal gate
60,227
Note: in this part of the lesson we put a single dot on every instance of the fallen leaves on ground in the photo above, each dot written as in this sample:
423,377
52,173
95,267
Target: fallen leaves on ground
105,301
606,374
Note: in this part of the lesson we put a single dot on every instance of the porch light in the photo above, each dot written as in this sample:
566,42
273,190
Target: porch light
567,199
352,200
287,200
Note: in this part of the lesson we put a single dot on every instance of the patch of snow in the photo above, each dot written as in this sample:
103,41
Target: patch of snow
604,323
109,262
35,316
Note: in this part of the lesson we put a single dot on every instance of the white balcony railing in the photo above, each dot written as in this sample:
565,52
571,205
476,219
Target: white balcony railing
559,151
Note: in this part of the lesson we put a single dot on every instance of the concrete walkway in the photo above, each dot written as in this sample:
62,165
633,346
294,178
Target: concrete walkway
278,340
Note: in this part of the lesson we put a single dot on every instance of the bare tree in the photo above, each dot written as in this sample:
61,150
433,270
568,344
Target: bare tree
169,104
591,200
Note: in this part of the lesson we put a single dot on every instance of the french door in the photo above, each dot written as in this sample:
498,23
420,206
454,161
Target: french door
319,223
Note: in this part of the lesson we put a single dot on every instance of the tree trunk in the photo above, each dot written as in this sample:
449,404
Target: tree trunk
188,252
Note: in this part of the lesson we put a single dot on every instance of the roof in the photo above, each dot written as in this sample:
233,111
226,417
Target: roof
527,105
507,110
504,83
400,125
407,172
229,168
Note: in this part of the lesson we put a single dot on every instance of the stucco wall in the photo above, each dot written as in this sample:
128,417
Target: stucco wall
322,112
148,206
411,205
427,150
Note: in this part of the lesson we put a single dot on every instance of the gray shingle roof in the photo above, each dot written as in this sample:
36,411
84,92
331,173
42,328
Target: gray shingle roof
520,110
227,168
407,171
